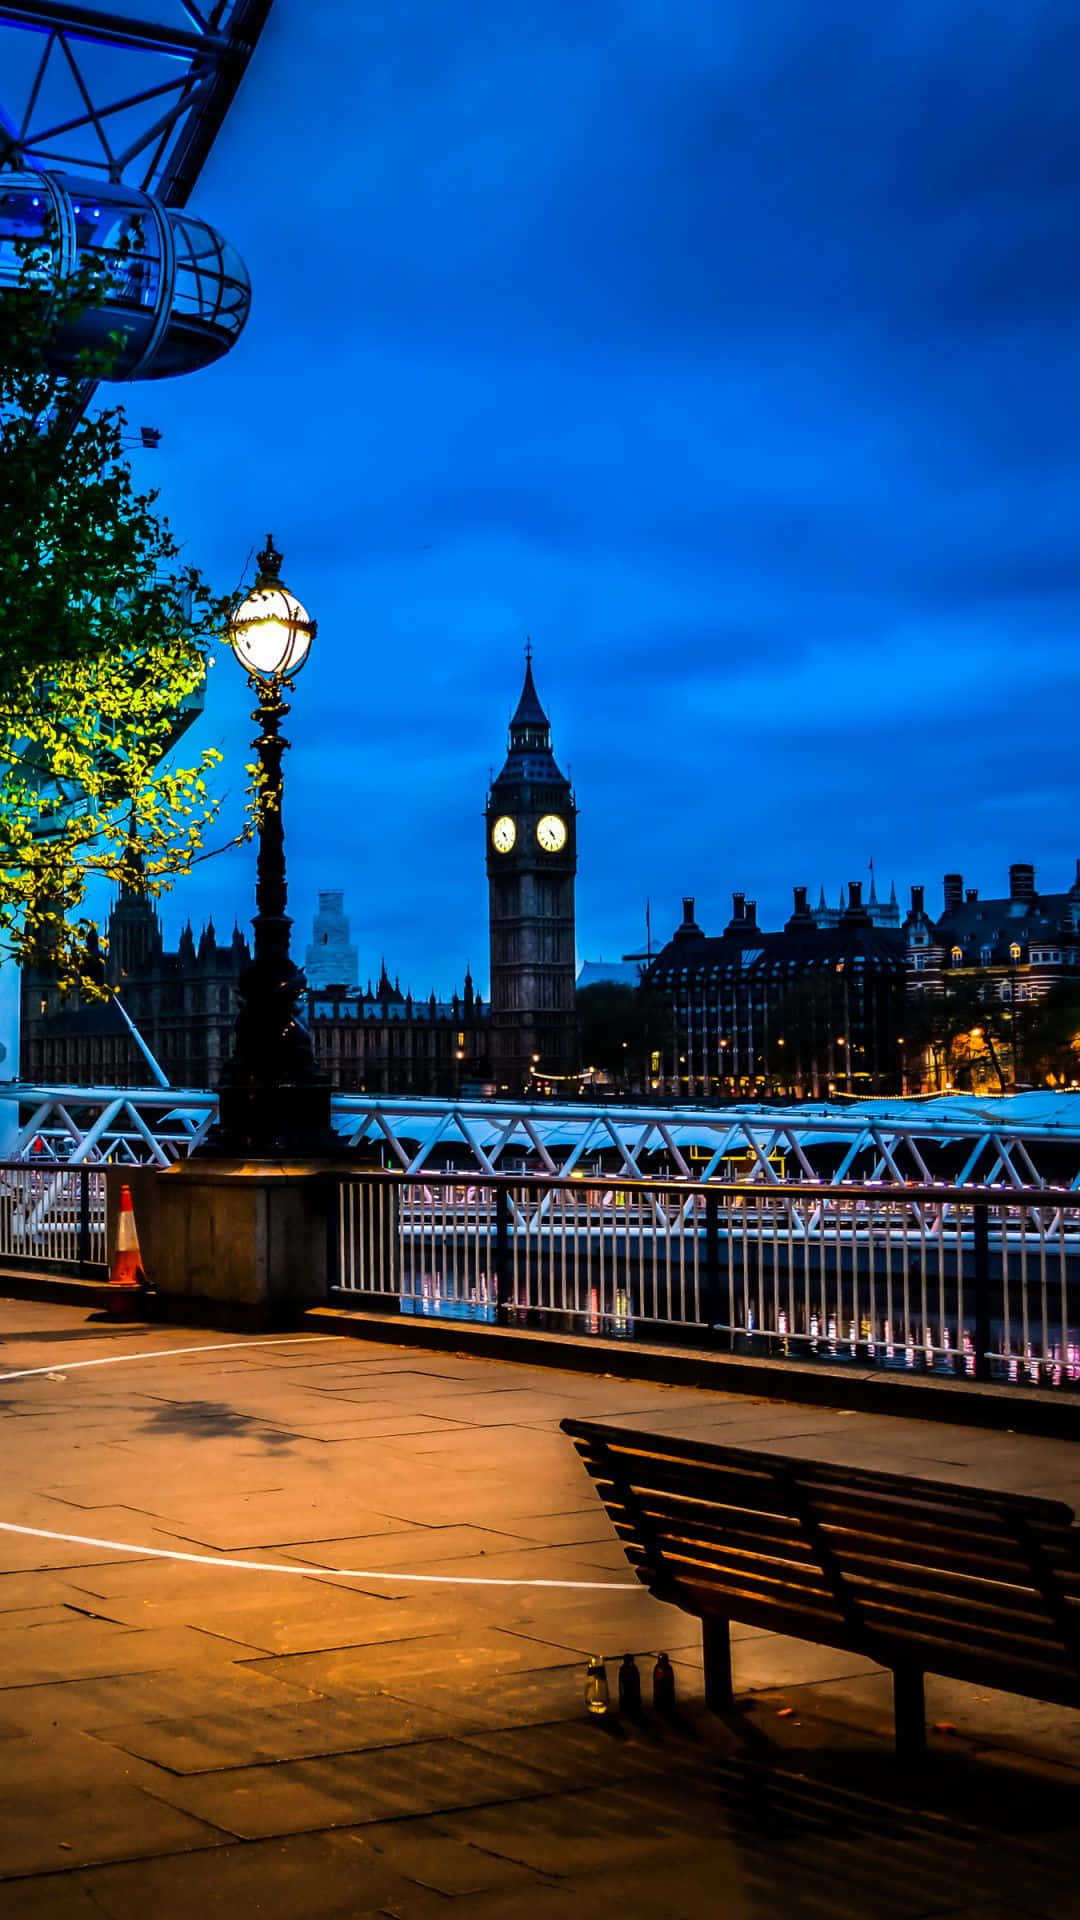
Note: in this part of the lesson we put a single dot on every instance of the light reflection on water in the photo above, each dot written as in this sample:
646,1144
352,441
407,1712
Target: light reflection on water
927,1348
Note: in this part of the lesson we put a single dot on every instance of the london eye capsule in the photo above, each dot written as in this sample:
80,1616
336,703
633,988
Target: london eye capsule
174,293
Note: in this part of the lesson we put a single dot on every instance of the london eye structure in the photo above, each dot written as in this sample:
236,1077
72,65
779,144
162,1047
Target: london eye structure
107,118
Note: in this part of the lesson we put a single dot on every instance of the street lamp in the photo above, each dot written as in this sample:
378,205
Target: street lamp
1014,961
273,1099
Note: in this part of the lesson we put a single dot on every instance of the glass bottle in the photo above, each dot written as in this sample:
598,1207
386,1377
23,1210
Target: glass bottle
663,1685
629,1688
596,1686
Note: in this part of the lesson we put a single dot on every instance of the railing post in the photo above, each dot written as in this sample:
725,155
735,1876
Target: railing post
334,1189
711,1301
981,1222
502,1254
84,1217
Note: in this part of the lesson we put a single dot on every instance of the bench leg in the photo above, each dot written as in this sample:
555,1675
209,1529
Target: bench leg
716,1648
909,1713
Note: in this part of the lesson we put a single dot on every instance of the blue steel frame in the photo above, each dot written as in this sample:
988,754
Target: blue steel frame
168,87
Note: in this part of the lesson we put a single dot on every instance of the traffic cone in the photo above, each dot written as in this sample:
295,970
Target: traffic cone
126,1272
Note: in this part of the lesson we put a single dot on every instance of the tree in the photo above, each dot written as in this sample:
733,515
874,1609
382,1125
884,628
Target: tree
106,639
966,1032
619,1029
1050,1036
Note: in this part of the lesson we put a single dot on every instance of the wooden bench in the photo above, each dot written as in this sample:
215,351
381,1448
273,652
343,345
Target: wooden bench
921,1576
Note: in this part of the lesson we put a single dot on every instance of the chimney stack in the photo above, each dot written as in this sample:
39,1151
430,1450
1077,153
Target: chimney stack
854,895
1021,881
971,894
802,920
689,929
954,891
918,896
737,924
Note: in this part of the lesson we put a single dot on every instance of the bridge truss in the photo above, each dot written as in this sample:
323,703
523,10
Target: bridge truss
1028,1142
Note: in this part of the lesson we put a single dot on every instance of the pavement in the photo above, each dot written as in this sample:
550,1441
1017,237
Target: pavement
179,1735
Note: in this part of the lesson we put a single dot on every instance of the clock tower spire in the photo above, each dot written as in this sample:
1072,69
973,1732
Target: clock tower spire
531,824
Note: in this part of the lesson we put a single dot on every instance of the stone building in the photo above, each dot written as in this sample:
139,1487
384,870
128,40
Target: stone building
382,1040
812,1010
183,1003
1013,949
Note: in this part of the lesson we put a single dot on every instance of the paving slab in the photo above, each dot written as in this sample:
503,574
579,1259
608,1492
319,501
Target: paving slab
182,1738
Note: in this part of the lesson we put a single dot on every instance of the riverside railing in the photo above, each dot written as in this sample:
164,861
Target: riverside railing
52,1216
977,1283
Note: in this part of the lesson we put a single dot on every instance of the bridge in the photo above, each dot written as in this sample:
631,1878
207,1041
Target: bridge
1020,1141
940,1236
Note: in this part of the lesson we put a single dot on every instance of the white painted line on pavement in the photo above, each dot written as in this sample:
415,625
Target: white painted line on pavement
167,1353
322,1573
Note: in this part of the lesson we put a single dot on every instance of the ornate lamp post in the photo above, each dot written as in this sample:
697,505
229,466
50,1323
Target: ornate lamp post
273,1100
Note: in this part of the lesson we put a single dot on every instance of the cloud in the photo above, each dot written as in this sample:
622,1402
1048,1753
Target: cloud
728,350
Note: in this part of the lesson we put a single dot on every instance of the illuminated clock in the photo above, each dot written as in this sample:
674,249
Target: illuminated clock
551,833
503,834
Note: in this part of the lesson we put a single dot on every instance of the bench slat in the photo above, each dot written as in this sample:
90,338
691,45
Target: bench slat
889,1631
924,1586
944,1520
1020,1612
1038,1679
985,1555
786,1539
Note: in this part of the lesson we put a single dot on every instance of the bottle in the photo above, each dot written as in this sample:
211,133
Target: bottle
663,1685
596,1687
629,1688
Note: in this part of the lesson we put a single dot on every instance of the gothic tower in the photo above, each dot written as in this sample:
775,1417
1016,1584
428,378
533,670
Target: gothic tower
531,863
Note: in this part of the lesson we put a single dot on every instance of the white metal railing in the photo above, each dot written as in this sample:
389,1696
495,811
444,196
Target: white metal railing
52,1215
956,1281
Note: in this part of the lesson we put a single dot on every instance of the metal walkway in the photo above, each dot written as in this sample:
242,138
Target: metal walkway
1025,1141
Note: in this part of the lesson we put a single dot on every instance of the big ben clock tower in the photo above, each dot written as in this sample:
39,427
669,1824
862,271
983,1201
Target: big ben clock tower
531,863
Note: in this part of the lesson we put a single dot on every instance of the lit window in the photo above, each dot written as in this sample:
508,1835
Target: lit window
957,956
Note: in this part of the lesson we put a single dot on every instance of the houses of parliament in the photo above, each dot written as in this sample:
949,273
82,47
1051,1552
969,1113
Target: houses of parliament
824,1005
375,1038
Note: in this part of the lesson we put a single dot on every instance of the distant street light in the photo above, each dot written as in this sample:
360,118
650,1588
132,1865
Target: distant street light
1014,1037
273,1099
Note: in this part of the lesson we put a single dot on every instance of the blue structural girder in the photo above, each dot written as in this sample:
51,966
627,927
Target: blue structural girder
1017,1143
149,114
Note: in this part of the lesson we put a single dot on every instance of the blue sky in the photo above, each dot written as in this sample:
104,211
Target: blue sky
729,350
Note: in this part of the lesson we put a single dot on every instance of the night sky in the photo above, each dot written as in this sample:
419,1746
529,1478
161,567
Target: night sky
730,351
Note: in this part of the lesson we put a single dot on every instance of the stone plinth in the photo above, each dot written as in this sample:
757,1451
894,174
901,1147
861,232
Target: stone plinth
230,1242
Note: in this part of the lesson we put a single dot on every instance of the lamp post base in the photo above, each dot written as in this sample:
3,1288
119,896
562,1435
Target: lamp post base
264,1120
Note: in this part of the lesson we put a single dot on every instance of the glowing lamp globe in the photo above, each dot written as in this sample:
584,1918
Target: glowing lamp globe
270,631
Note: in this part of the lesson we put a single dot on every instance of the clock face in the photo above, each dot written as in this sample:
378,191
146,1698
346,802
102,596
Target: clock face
551,833
503,834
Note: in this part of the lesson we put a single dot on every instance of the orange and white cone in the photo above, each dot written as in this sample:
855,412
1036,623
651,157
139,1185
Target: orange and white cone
127,1268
